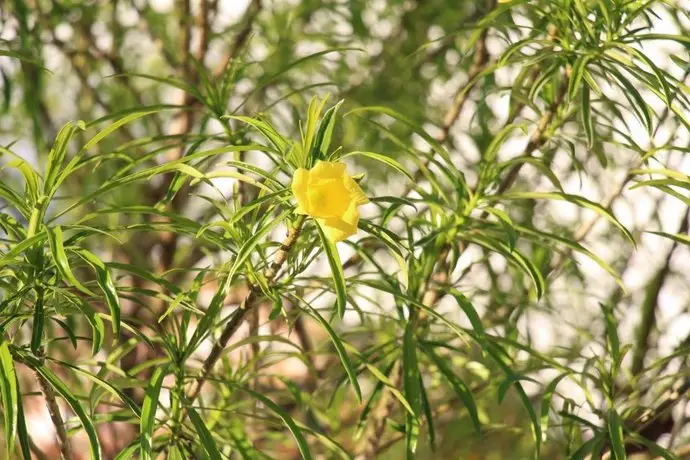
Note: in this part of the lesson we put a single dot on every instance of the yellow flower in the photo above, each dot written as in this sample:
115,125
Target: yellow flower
329,195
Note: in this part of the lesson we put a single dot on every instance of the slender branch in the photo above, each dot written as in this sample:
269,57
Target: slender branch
247,305
538,137
480,61
649,306
185,121
440,275
241,38
369,445
56,417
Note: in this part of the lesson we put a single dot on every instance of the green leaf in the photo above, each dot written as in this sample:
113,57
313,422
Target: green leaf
26,244
336,271
96,323
381,377
291,425
248,247
234,175
489,155
148,411
22,432
574,245
339,348
679,237
23,57
364,414
585,449
106,385
537,163
471,313
546,403
612,340
73,402
575,199
31,177
37,326
514,256
205,436
438,148
118,124
642,110
15,199
615,427
459,386
428,415
10,396
316,106
586,116
682,39
55,240
128,452
276,139
413,393
578,71
383,159
324,133
105,282
57,155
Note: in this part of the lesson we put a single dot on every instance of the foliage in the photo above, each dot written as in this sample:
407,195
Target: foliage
162,296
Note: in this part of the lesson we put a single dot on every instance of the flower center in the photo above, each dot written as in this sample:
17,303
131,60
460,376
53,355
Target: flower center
328,198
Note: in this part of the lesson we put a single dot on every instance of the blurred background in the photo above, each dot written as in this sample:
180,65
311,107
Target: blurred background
423,59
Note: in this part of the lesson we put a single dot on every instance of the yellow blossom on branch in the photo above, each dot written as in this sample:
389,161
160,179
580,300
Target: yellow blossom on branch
331,196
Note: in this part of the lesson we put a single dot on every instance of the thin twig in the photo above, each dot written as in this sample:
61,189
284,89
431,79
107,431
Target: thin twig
56,417
241,38
649,305
369,445
480,62
372,438
538,137
247,305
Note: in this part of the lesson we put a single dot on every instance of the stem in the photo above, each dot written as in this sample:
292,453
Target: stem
648,307
538,137
248,304
385,406
56,417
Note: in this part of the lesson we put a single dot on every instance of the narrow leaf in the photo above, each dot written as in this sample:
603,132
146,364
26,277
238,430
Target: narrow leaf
10,396
148,412
336,271
205,436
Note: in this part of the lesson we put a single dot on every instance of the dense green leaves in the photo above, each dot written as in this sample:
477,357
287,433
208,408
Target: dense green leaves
524,162
105,282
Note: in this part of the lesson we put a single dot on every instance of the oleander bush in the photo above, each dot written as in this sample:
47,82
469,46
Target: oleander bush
344,229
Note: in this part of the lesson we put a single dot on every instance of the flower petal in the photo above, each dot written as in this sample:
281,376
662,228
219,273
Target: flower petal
327,170
355,191
300,183
339,228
